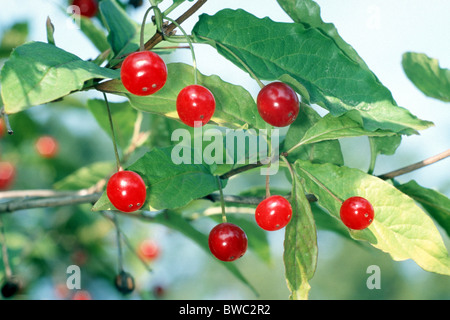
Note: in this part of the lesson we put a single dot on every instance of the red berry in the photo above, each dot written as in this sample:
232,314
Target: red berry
81,295
143,73
88,8
7,174
47,146
278,104
149,249
195,105
273,213
357,213
126,190
227,242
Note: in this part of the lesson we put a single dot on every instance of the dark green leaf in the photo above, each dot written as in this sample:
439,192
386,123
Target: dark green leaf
434,202
333,80
427,76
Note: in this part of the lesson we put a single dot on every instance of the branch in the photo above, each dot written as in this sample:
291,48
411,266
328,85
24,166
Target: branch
49,202
415,166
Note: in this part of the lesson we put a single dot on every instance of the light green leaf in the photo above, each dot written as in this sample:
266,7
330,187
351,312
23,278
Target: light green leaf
330,128
300,244
235,107
434,202
321,152
427,75
333,80
400,227
38,72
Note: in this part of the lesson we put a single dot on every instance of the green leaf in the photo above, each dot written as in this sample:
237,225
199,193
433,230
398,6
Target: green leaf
307,13
330,128
400,227
38,72
124,118
86,177
427,75
300,244
235,107
173,185
334,81
121,28
321,152
434,202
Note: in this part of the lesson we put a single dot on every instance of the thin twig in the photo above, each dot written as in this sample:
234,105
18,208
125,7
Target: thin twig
415,166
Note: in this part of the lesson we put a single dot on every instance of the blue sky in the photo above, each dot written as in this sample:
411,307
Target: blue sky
380,31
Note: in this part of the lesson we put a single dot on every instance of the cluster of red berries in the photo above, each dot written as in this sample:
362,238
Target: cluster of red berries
143,73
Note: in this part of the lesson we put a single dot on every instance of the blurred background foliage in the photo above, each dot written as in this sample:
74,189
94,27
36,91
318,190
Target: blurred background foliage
42,243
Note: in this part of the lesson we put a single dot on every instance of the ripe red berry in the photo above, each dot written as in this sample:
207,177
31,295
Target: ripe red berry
149,249
2,127
227,242
357,213
126,190
143,73
47,146
195,105
88,8
7,174
278,104
273,213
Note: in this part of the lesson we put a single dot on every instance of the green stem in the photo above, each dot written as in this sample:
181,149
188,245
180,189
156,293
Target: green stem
116,151
222,201
249,70
119,243
158,17
373,157
194,60
171,8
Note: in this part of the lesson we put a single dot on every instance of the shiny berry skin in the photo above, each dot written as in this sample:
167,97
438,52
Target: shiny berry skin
227,242
273,213
143,73
7,174
88,8
126,190
124,282
47,146
195,105
357,213
278,104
